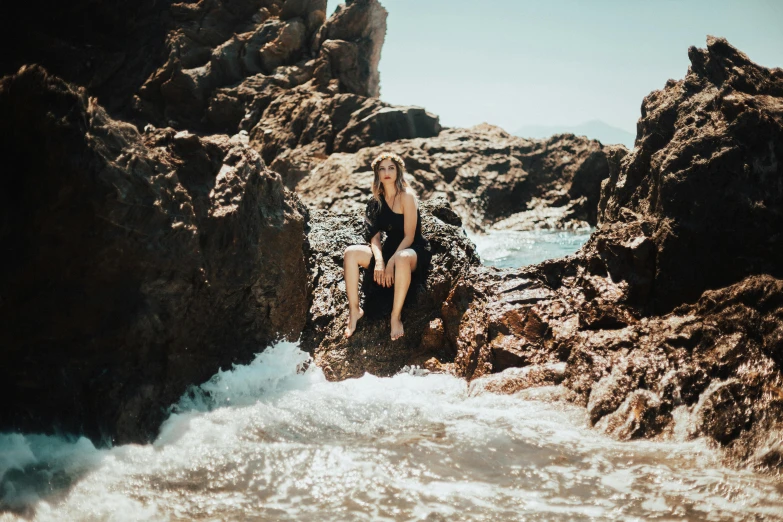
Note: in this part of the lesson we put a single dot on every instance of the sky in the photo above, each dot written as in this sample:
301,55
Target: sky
514,63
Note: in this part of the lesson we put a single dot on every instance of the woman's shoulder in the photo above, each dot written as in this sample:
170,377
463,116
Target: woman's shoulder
410,199
410,195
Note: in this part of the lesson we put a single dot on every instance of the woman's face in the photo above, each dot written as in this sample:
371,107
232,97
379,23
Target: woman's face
387,171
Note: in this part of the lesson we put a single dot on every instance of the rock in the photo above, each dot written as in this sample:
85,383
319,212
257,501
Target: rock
386,124
656,311
638,416
350,47
217,66
492,179
370,348
135,265
110,48
512,380
303,127
707,171
720,413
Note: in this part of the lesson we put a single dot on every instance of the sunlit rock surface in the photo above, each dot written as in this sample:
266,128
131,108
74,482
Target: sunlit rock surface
492,179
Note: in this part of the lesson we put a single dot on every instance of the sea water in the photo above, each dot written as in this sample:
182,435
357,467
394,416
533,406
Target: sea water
274,440
513,248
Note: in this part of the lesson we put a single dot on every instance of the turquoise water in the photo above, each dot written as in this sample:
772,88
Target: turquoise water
512,249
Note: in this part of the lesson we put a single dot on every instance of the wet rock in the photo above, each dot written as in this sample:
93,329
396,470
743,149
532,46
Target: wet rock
512,380
719,412
638,416
134,265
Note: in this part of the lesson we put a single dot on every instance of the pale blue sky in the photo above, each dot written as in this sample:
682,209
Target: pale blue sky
556,62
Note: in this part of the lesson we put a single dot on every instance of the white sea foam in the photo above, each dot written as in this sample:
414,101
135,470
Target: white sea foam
275,441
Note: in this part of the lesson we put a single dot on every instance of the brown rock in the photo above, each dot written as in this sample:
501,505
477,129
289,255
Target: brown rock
707,172
655,312
492,179
135,265
512,380
370,348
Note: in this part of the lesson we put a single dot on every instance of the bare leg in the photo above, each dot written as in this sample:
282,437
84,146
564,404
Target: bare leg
403,267
355,256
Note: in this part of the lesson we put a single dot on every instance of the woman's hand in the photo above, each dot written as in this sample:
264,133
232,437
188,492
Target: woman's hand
388,276
379,272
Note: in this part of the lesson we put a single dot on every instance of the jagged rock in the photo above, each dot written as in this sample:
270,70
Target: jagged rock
707,170
370,348
304,126
134,265
215,44
277,69
492,179
350,47
655,313
636,417
512,380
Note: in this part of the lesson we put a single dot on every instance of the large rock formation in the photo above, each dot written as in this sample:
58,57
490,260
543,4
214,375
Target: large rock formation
673,309
277,69
133,265
707,171
491,178
141,262
221,53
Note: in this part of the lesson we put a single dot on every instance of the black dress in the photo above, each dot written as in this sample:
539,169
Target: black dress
379,217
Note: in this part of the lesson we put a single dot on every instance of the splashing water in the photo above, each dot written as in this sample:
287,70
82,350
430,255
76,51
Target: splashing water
275,441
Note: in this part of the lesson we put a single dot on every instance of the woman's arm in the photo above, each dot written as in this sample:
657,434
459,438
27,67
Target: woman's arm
409,205
409,213
375,246
377,253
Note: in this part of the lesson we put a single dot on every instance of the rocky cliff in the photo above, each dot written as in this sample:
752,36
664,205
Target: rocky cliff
668,322
133,264
277,69
670,318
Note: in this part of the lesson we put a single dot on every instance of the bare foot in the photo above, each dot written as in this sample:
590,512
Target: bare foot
396,328
353,316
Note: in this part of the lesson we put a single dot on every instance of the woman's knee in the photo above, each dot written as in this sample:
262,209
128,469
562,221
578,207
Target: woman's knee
357,254
407,259
352,251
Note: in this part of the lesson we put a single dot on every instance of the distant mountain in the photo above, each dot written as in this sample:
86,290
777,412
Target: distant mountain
593,129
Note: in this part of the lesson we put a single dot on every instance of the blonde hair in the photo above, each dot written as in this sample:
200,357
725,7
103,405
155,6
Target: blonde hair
400,183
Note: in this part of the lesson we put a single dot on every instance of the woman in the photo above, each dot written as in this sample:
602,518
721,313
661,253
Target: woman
394,210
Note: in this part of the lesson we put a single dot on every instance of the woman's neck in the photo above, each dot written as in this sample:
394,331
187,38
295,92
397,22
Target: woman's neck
389,191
